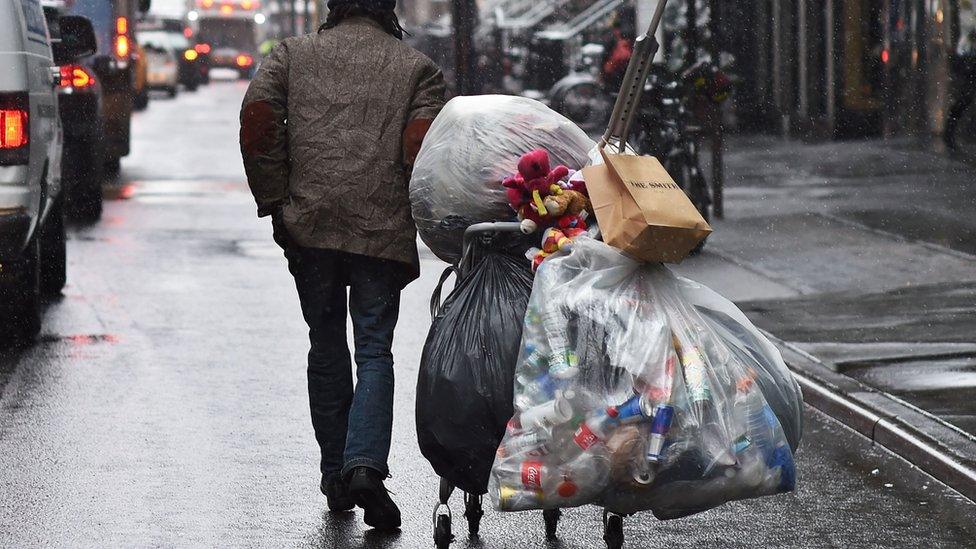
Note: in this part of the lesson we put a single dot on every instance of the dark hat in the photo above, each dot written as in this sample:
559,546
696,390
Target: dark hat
371,5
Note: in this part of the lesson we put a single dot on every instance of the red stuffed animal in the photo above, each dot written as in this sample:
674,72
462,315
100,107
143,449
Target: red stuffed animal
534,181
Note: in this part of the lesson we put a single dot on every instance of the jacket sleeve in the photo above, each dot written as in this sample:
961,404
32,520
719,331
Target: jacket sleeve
428,96
427,101
264,134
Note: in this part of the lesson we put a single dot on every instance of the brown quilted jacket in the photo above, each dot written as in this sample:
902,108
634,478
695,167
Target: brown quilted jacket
322,137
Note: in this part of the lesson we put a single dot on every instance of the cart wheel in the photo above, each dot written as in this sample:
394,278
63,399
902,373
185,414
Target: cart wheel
551,516
613,530
442,532
473,512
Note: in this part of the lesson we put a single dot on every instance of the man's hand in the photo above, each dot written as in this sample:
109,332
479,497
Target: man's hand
278,230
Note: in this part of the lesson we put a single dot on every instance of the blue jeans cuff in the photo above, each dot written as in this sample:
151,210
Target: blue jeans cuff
381,468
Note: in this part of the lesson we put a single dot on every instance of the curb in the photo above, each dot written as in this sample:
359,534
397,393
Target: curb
936,447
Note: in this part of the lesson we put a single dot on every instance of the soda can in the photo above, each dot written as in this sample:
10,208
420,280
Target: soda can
517,499
548,415
663,416
637,408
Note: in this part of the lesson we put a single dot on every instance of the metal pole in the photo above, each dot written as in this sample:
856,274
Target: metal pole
463,18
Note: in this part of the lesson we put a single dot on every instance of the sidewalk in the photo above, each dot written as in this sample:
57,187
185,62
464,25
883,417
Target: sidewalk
860,258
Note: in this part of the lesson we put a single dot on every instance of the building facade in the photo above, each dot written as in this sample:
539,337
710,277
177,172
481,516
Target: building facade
843,68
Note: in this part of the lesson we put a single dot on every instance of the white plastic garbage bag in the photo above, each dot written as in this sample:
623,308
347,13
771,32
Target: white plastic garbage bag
473,144
637,390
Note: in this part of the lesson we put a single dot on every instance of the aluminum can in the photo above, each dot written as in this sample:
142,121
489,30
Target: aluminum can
637,408
517,499
663,416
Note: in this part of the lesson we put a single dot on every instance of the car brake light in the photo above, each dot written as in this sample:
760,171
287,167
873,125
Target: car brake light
121,26
244,60
202,48
190,55
14,124
187,32
14,129
75,76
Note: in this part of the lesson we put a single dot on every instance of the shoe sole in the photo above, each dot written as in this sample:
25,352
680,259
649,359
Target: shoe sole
369,502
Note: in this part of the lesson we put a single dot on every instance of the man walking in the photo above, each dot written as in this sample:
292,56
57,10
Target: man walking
330,127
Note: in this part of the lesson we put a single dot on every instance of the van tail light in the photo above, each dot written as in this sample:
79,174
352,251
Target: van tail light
76,77
14,129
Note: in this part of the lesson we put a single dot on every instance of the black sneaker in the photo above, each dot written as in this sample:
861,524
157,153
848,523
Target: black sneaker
367,490
337,494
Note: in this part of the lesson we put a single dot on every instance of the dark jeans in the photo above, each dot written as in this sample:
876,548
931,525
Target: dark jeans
353,427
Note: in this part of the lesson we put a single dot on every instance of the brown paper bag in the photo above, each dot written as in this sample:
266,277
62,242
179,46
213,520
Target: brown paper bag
641,210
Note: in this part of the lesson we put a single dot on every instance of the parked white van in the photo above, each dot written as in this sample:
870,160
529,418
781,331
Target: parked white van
32,241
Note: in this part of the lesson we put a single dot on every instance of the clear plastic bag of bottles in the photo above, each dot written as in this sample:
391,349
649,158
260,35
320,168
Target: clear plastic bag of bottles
629,397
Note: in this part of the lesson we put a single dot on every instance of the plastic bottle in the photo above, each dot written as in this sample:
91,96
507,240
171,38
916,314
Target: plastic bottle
766,436
593,431
532,444
563,362
528,474
582,478
533,390
547,415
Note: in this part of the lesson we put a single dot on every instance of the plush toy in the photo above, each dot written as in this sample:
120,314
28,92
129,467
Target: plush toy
566,202
553,240
527,189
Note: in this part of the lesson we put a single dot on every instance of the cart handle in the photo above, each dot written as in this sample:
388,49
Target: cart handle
624,109
477,230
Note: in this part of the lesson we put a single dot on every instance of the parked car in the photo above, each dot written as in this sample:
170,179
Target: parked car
163,71
32,239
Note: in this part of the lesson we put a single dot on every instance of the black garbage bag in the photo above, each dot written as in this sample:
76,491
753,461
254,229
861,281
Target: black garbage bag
464,391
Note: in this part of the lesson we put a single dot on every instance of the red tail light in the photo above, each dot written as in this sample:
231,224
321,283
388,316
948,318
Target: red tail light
244,60
14,129
202,48
76,77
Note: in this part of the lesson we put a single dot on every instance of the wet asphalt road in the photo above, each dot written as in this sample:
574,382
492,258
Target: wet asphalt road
165,403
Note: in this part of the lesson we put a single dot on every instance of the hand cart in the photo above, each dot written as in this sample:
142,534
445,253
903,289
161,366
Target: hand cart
483,235
477,237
